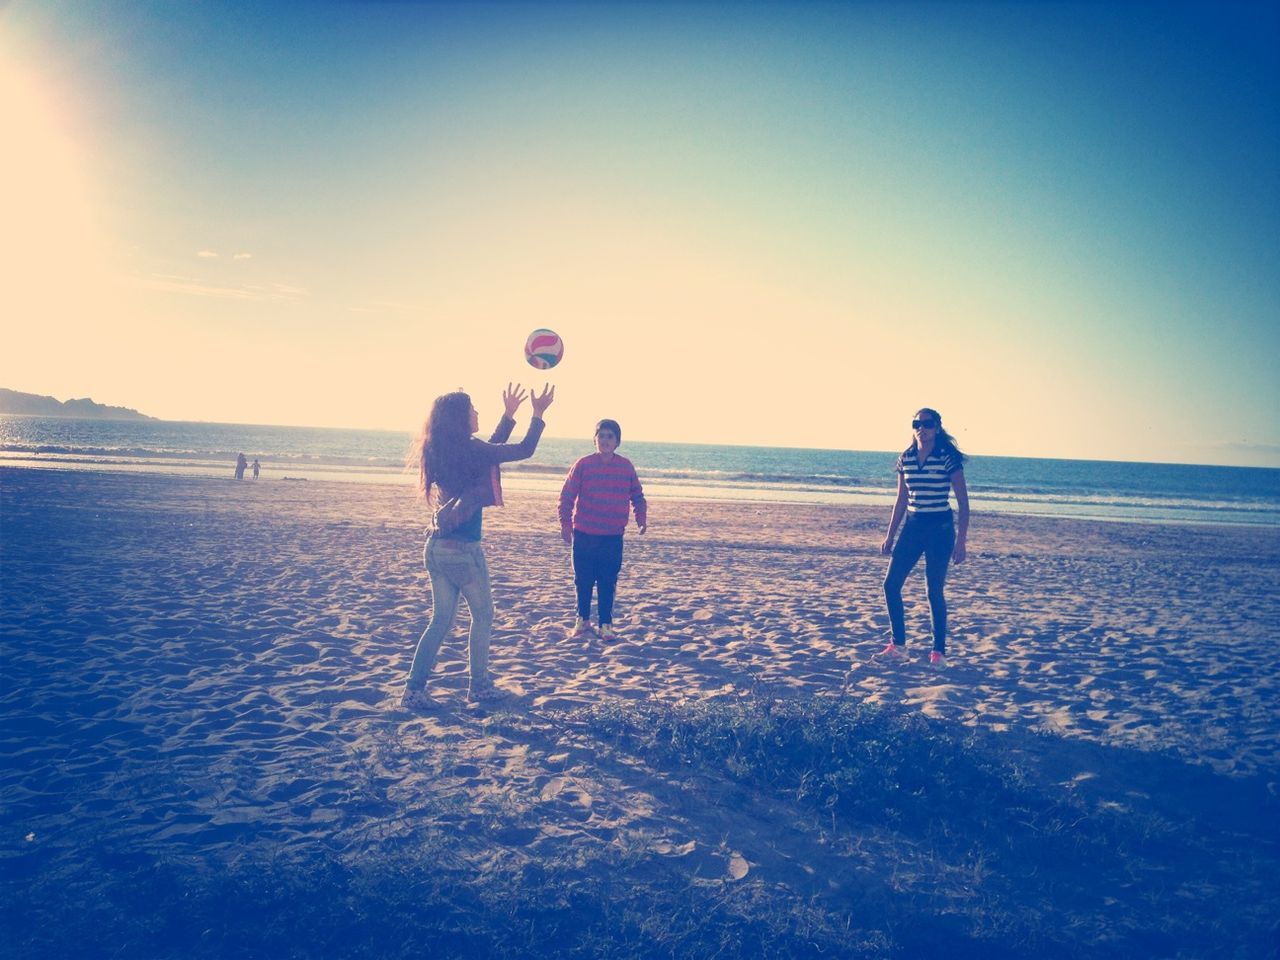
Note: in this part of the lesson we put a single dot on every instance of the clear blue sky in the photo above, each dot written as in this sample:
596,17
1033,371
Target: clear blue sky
765,223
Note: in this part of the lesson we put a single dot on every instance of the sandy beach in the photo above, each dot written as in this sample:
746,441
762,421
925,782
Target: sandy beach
201,676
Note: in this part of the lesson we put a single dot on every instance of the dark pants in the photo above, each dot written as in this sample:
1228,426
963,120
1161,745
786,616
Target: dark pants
597,561
933,535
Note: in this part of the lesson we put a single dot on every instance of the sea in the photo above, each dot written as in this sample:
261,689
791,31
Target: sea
1094,489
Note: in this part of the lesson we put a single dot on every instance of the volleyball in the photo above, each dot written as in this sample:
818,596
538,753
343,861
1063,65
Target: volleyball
543,349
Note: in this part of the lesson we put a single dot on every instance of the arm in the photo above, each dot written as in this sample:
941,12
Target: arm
962,521
502,432
494,453
899,508
568,496
489,455
639,503
512,397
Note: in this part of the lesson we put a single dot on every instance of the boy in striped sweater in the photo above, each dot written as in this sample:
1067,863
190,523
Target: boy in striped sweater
595,504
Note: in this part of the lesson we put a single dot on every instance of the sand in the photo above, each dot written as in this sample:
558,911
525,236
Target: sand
201,665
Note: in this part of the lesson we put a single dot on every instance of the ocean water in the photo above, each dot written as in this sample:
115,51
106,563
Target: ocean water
1105,490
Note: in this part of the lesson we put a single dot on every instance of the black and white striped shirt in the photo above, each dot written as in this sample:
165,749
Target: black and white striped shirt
928,485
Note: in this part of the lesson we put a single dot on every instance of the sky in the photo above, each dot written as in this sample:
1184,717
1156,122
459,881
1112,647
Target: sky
752,223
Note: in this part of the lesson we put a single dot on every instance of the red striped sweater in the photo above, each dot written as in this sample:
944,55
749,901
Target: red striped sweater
597,496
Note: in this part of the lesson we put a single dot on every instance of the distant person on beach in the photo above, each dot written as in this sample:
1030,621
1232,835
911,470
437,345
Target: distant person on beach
595,504
928,471
256,468
241,463
458,474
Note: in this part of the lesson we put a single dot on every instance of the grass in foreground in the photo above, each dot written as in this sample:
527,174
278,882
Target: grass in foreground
961,854
984,857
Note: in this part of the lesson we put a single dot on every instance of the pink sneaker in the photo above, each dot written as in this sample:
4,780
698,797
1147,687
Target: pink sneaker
892,652
937,660
581,628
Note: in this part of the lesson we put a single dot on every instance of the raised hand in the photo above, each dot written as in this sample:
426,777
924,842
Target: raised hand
512,397
541,401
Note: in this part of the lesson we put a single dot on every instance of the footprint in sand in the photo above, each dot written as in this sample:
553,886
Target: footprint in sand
710,865
933,700
565,789
568,796
666,848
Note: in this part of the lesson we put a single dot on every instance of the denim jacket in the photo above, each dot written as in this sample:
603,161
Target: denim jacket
486,491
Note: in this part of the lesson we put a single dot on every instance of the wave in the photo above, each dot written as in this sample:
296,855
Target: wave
105,453
1122,501
1158,492
988,493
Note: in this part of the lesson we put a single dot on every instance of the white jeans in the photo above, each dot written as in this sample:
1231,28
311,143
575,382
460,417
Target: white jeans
456,567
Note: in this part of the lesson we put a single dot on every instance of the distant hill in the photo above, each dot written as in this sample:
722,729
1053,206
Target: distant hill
31,404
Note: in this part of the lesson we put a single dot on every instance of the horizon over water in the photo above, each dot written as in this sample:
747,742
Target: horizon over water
1094,489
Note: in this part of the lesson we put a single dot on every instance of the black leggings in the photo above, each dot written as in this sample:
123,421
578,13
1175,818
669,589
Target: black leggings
597,561
933,535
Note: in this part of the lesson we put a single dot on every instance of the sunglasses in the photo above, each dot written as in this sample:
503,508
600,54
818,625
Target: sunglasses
927,424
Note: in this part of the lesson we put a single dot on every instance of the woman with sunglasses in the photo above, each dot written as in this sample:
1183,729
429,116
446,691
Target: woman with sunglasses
928,471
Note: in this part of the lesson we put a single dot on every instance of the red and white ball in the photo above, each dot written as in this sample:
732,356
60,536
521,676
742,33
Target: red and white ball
544,349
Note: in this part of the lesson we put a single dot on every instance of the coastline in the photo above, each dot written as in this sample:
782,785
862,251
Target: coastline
546,480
